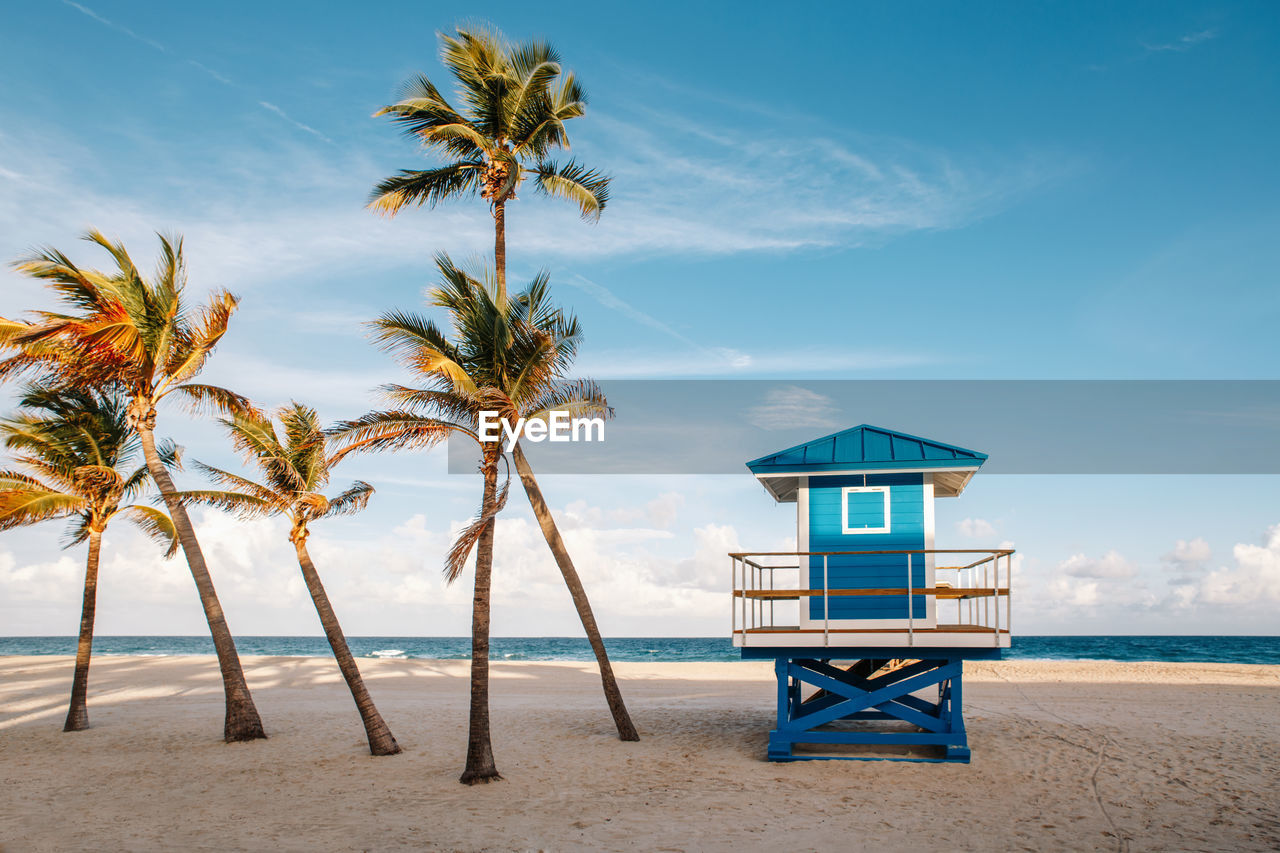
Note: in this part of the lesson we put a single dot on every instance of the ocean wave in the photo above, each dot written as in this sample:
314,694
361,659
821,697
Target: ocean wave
387,653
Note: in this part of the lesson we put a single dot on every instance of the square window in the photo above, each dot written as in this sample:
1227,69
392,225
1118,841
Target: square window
865,509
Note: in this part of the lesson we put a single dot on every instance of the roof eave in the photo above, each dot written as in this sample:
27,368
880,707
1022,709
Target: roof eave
845,467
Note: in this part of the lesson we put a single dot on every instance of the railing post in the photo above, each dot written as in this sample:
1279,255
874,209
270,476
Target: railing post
826,605
755,602
1008,604
973,606
995,599
733,595
772,620
911,615
986,601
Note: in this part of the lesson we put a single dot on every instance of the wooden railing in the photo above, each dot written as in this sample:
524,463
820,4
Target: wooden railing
976,581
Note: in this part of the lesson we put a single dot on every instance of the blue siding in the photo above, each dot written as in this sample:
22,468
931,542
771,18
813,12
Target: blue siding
826,533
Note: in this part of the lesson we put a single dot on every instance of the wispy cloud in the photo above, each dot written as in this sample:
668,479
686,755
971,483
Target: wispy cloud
221,78
1182,43
609,299
794,407
266,105
120,28
801,362
688,185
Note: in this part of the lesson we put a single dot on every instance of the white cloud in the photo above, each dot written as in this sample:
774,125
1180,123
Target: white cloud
1183,43
976,528
660,513
1255,579
1188,559
793,406
1110,566
1074,592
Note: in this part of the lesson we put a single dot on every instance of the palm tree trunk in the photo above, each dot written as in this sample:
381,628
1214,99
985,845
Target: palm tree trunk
381,741
621,719
242,721
480,766
500,248
78,711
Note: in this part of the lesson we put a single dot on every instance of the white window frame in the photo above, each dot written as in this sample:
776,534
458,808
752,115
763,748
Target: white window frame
844,510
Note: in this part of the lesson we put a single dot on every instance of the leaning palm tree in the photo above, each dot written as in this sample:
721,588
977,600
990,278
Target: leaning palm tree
121,330
508,357
526,381
294,473
75,449
515,102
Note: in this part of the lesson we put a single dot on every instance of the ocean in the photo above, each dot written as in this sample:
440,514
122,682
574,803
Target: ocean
1256,650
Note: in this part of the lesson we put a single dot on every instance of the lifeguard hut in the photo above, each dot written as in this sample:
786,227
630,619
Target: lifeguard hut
868,623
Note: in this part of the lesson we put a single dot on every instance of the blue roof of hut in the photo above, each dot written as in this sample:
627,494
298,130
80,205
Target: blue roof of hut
867,448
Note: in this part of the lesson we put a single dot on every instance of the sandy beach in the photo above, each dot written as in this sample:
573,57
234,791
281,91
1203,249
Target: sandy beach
1066,755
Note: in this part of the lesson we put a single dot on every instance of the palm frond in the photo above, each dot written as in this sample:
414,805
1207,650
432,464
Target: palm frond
421,346
10,480
243,506
156,524
587,188
350,501
201,399
170,457
78,530
456,561
453,406
97,479
243,484
305,440
20,507
199,340
580,398
390,430
426,186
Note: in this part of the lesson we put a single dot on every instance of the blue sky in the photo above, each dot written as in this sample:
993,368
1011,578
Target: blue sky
979,191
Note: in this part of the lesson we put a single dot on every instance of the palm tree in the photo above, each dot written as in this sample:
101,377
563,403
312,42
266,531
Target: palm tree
75,448
294,473
121,330
507,357
516,100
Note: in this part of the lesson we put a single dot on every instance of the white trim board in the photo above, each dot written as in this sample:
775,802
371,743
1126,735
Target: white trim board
864,471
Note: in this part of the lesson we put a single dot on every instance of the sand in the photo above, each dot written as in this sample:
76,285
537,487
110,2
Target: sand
1071,755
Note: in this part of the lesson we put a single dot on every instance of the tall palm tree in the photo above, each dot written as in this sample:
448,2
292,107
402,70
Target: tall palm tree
294,473
75,449
515,102
508,357
122,330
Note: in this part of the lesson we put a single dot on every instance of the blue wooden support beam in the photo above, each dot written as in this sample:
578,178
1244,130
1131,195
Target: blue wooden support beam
867,684
861,699
852,700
